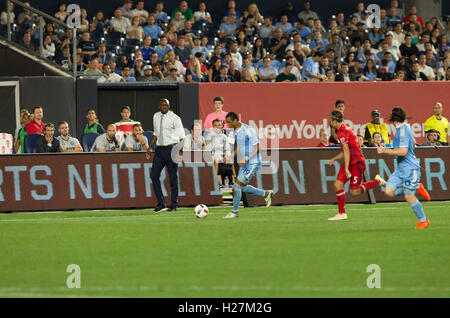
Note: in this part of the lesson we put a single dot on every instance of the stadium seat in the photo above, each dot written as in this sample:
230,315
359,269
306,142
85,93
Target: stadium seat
149,135
30,142
87,140
132,42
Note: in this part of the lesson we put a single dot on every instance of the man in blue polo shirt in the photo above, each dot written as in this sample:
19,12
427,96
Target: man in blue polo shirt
228,29
152,29
310,71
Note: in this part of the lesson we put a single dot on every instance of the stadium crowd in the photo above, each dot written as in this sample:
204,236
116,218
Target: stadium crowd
188,45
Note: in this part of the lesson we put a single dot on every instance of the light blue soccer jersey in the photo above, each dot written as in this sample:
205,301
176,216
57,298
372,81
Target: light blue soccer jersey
247,140
404,139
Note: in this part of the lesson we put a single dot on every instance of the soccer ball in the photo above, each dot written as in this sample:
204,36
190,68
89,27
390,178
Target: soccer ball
201,211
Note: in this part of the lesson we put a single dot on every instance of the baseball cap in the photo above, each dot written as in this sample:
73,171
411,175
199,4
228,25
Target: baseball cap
330,49
376,111
357,61
390,33
147,67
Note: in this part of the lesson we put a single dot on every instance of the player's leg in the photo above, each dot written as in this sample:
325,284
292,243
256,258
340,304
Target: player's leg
410,185
267,195
340,195
356,185
394,185
237,195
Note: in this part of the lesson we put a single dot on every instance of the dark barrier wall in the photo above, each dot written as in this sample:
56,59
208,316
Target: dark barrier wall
94,181
8,109
144,99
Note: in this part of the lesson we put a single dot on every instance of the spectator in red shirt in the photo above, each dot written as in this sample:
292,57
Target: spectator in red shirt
37,125
413,11
324,142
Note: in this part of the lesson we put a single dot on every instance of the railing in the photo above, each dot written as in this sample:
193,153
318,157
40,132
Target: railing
42,16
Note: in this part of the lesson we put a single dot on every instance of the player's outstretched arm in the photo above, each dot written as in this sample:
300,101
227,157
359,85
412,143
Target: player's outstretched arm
340,156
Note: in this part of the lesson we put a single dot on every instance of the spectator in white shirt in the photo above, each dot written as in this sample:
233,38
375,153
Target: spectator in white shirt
109,77
119,23
201,16
424,68
140,11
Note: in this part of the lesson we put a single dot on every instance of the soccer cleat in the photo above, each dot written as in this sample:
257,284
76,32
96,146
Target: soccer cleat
338,217
380,180
423,192
160,208
231,215
268,198
423,225
172,209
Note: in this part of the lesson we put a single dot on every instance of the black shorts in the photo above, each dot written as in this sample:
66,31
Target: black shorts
224,169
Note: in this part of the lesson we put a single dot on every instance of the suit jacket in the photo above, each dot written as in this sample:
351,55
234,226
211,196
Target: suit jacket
340,77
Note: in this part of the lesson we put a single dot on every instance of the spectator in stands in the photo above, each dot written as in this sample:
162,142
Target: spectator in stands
126,75
26,42
229,28
147,74
135,31
254,11
172,35
407,48
87,46
108,76
267,73
160,14
218,113
361,141
62,13
103,56
152,29
356,70
244,46
163,48
266,30
233,72
4,15
136,141
335,44
26,18
415,74
119,23
318,44
432,136
66,142
107,142
195,140
202,16
217,143
49,49
98,25
140,12
376,126
223,75
81,66
198,48
185,11
370,72
278,44
295,65
439,123
138,69
181,50
424,68
286,75
93,126
310,70
257,52
21,131
36,126
48,143
378,140
154,59
194,70
178,21
248,73
232,9
290,12
171,57
213,70
344,75
84,23
173,76
413,13
237,57
284,25
147,49
306,13
324,139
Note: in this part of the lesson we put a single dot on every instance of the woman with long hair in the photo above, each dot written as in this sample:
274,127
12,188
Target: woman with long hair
194,70
213,70
84,25
370,71
244,46
135,31
253,10
257,52
61,14
172,34
98,25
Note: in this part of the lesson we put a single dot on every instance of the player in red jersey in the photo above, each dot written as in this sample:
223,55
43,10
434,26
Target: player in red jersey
353,167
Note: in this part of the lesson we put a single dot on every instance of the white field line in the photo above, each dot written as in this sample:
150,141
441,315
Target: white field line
150,214
159,288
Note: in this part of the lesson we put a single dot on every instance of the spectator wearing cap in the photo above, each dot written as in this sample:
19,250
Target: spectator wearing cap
356,70
48,143
310,70
438,122
286,75
138,69
376,126
306,13
432,138
360,33
36,126
173,76
336,46
147,74
344,75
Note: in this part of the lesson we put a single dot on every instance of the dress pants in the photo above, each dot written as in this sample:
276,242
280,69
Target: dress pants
163,158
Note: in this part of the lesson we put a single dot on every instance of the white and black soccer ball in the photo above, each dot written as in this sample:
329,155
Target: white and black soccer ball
201,211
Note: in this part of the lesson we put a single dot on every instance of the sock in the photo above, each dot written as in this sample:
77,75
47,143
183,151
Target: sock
237,194
253,190
368,185
341,201
418,210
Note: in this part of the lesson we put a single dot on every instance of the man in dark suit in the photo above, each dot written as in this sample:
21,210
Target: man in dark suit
415,74
48,143
344,75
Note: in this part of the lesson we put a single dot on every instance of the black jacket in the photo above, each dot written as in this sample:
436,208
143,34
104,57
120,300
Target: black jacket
340,77
42,145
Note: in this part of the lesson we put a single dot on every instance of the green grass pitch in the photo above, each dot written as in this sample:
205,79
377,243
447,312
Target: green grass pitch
267,252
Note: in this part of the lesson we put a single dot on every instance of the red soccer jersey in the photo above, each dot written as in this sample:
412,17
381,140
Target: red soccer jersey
346,136
35,128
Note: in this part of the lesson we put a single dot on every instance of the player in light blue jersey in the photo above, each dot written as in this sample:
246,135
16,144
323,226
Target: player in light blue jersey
406,177
249,160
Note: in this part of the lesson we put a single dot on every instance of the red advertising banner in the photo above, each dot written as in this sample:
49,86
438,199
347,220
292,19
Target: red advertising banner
105,181
294,113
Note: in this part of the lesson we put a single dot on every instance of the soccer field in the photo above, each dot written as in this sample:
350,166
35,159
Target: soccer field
267,252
